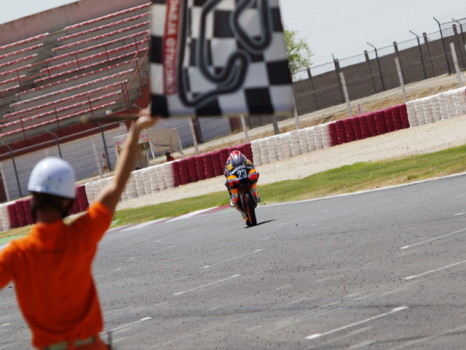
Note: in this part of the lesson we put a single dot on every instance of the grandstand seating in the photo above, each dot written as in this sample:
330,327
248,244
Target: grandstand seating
101,82
4,58
105,57
90,32
111,17
18,45
58,85
48,80
102,47
102,39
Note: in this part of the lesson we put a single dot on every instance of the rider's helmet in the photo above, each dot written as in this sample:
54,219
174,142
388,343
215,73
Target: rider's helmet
53,176
237,159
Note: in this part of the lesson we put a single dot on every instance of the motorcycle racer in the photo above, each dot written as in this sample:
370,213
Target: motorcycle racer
237,161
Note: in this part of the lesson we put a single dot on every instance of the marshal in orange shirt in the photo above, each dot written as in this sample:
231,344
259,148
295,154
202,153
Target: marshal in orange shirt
51,270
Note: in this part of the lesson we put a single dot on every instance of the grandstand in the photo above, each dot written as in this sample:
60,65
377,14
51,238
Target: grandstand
85,58
49,80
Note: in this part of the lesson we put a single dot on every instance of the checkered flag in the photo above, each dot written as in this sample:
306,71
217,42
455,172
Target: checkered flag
218,58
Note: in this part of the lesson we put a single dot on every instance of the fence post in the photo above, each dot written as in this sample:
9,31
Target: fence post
397,54
57,141
378,64
337,71
462,37
458,42
429,52
309,75
5,185
457,66
345,92
97,159
444,46
193,132
245,127
297,124
368,61
400,77
109,165
14,168
420,53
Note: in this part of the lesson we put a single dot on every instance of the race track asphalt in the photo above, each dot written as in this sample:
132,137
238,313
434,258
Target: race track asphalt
375,270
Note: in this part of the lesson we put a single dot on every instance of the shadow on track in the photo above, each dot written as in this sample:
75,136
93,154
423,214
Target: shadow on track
261,223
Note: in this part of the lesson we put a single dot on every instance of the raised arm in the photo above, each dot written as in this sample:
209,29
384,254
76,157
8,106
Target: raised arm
111,194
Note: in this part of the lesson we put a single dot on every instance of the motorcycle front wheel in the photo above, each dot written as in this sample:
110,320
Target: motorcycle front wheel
250,209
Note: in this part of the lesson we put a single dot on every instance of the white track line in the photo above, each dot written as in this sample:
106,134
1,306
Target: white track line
206,285
436,270
392,311
233,259
142,225
131,324
189,215
433,239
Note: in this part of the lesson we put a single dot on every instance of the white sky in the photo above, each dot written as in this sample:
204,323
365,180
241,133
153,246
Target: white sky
339,27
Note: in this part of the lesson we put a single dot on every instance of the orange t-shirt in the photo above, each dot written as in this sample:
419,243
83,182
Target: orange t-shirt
51,269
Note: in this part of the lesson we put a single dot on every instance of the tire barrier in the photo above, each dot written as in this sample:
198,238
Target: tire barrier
142,182
198,160
4,216
431,109
369,125
217,163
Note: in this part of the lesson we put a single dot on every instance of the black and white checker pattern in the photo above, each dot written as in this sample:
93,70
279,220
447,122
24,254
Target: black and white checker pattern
232,60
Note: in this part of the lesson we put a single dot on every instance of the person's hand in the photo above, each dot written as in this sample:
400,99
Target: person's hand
145,120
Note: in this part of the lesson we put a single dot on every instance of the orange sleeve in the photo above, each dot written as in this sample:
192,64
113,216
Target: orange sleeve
94,223
6,271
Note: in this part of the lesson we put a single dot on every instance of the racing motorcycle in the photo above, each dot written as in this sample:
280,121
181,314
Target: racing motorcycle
242,181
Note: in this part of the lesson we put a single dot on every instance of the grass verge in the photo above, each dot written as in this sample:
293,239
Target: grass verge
346,179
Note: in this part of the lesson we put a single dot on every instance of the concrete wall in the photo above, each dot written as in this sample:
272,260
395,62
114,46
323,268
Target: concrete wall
60,17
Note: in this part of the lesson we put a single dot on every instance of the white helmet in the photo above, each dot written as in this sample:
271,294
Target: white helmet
53,176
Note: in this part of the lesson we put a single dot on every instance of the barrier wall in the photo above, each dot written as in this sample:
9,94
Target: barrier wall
430,109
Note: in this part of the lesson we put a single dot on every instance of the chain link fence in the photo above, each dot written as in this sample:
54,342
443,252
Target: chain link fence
375,70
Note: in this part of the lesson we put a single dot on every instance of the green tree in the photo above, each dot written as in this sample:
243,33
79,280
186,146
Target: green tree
299,52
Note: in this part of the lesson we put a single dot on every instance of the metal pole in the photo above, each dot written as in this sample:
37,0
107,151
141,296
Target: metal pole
420,53
338,70
345,92
444,46
191,125
97,159
462,35
309,75
429,52
5,185
245,127
378,64
397,53
460,40
276,129
400,77
457,66
297,123
368,61
14,167
56,141
109,165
